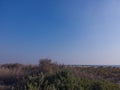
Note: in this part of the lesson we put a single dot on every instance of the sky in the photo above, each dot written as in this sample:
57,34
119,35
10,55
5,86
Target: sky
83,32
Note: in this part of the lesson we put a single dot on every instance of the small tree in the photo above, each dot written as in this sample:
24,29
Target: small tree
45,65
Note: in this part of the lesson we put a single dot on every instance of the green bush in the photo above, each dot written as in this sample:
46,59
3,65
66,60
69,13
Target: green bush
63,80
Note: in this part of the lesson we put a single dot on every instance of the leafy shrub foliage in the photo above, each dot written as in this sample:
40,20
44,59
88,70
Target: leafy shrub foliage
51,76
63,80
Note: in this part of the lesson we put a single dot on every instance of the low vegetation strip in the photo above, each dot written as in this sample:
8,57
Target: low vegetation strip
52,76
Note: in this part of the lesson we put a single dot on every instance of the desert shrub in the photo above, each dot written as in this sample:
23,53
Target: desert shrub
63,80
51,76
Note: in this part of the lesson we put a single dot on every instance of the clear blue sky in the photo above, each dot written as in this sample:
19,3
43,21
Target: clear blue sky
66,31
